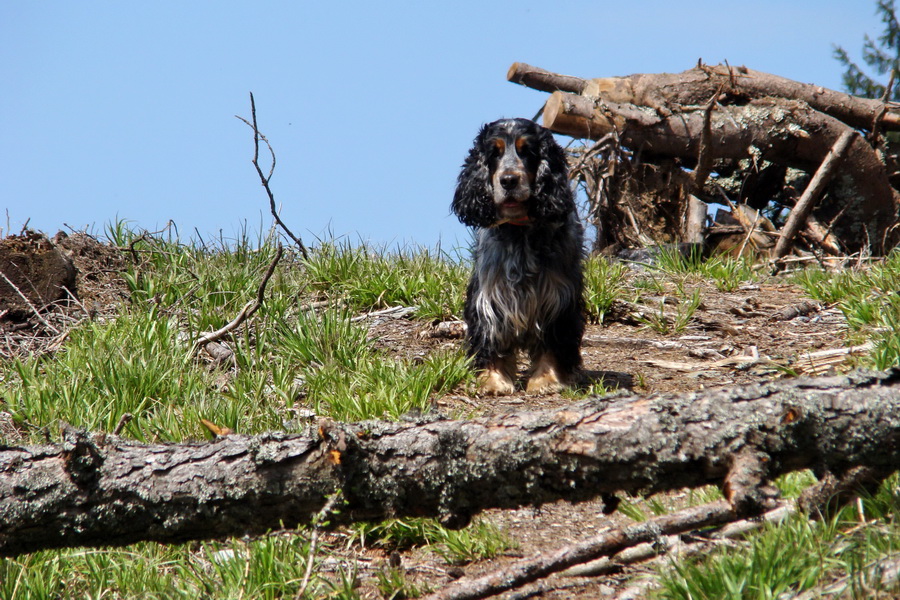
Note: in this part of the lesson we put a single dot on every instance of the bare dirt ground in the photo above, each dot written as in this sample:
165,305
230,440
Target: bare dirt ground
733,338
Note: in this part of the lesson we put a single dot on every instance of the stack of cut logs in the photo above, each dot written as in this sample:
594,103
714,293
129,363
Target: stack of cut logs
796,167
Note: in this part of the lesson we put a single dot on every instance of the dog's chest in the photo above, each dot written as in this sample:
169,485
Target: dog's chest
518,288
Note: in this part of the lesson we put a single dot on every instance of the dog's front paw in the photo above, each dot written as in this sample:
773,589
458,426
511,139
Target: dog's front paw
496,383
548,383
545,377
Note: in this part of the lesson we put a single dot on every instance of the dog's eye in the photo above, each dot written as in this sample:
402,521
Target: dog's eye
524,147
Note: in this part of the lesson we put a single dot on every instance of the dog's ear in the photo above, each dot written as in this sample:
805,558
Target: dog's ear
473,201
554,197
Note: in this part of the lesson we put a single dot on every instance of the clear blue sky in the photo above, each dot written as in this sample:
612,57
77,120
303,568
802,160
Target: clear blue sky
126,109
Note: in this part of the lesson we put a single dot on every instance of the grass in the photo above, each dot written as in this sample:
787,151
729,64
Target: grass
296,354
727,273
820,551
481,540
302,353
604,282
673,322
370,279
868,299
268,567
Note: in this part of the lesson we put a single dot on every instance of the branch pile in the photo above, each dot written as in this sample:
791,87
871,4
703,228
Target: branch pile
761,135
99,490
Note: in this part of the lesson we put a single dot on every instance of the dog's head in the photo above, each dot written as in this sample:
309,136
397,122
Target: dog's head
515,173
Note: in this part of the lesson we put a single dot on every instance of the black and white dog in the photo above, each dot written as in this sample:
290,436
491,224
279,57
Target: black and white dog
526,288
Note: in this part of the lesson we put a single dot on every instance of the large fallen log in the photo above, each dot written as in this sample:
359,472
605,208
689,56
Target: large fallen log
97,490
781,131
748,126
695,87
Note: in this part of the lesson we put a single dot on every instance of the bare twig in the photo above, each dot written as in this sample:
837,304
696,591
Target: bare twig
147,236
883,572
257,136
805,204
603,544
749,235
251,307
123,421
318,523
874,134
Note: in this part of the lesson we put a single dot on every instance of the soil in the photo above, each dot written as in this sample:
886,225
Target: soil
733,338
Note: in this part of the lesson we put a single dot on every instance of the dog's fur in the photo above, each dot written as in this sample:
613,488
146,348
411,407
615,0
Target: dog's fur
526,288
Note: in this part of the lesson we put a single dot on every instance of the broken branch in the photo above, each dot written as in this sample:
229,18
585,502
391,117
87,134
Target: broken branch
101,490
251,307
797,217
603,544
264,179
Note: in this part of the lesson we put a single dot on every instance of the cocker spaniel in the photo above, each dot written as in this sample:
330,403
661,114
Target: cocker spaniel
526,287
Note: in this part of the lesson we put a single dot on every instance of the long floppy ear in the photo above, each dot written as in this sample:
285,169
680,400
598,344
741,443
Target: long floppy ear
473,201
554,197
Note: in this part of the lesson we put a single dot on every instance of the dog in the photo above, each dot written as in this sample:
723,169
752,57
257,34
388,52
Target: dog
525,292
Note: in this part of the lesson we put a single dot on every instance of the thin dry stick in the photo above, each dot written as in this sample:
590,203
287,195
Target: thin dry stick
317,523
749,235
148,237
704,152
603,544
874,134
804,206
123,421
257,136
251,307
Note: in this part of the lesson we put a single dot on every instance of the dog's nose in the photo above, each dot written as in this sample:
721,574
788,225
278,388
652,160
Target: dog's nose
509,181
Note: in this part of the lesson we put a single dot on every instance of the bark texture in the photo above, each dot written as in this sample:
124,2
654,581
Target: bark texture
695,87
749,127
100,490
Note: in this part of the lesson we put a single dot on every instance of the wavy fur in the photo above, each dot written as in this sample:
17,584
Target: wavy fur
526,287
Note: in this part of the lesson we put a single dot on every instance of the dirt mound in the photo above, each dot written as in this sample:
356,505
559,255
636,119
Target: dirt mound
48,285
33,275
98,267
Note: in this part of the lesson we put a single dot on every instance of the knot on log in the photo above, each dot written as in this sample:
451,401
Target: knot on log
82,459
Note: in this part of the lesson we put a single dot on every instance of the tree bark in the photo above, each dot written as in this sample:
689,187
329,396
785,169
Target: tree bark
782,131
95,490
695,87
801,211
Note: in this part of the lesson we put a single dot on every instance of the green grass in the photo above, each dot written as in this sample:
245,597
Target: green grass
869,301
302,353
675,320
135,363
604,282
369,279
295,354
481,540
268,567
817,553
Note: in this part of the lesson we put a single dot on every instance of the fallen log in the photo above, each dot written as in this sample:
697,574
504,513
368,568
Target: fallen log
696,86
742,124
100,490
781,131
